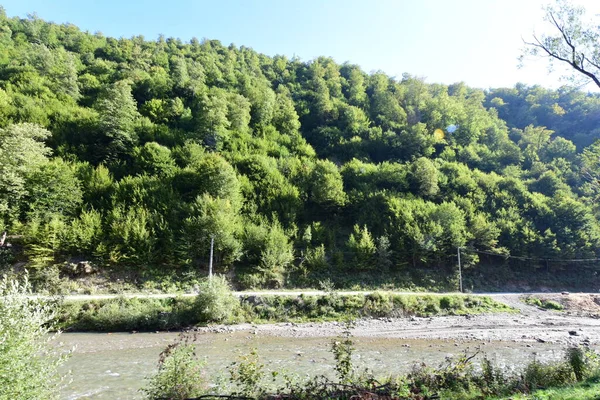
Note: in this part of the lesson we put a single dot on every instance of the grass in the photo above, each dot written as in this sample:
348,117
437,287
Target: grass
377,304
543,303
143,314
587,390
127,314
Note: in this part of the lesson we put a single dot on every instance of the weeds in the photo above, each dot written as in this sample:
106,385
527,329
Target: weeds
247,374
544,304
455,378
342,349
180,373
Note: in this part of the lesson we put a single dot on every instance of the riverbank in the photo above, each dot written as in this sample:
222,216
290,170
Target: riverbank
578,324
114,365
127,314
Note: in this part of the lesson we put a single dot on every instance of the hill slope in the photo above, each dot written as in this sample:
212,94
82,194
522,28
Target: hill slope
135,153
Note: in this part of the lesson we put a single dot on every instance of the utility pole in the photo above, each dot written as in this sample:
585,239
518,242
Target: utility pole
459,272
212,245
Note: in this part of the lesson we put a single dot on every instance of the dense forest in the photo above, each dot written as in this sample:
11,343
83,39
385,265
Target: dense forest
134,153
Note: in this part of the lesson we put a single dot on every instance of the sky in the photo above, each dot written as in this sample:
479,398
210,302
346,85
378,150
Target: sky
444,41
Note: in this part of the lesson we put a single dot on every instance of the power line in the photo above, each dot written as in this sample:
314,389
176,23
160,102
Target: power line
522,258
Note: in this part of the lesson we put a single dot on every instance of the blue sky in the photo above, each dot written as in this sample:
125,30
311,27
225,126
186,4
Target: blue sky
475,41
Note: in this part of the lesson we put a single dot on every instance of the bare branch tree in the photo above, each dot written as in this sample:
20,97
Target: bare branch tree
574,42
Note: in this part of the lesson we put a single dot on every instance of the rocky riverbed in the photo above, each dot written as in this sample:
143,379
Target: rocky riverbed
576,325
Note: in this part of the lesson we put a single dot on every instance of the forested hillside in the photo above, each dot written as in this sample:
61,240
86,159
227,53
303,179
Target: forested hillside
133,153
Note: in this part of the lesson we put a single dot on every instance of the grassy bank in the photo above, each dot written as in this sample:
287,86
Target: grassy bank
587,390
142,314
468,376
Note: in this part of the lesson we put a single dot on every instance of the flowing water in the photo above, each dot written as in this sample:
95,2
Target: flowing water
113,366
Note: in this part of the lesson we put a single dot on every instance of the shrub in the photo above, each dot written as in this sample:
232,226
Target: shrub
123,314
179,374
215,301
316,259
247,374
28,360
546,304
342,349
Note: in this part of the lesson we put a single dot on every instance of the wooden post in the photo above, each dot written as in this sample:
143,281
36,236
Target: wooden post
210,262
459,272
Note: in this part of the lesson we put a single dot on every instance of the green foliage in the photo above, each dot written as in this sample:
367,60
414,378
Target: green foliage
154,159
53,188
247,374
211,218
363,248
179,376
161,145
215,301
268,251
29,361
21,151
342,349
327,186
544,303
117,110
126,315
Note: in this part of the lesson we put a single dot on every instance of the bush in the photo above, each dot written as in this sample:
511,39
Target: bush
123,314
6,257
247,374
215,301
28,360
180,374
545,304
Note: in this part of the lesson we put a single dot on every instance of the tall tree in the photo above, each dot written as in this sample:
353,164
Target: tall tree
118,112
575,41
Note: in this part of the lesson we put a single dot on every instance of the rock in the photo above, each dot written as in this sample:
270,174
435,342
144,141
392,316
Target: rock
573,333
564,293
80,268
540,340
529,345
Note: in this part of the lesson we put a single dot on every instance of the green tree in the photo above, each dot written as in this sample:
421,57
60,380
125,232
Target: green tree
363,248
117,110
327,185
425,177
268,252
22,149
216,218
53,188
29,361
152,158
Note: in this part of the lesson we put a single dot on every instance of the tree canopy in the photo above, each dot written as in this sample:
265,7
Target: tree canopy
134,153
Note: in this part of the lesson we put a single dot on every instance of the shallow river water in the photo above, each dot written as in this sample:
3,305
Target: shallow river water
113,366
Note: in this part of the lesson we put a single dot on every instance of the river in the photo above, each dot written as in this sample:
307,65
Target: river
113,366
